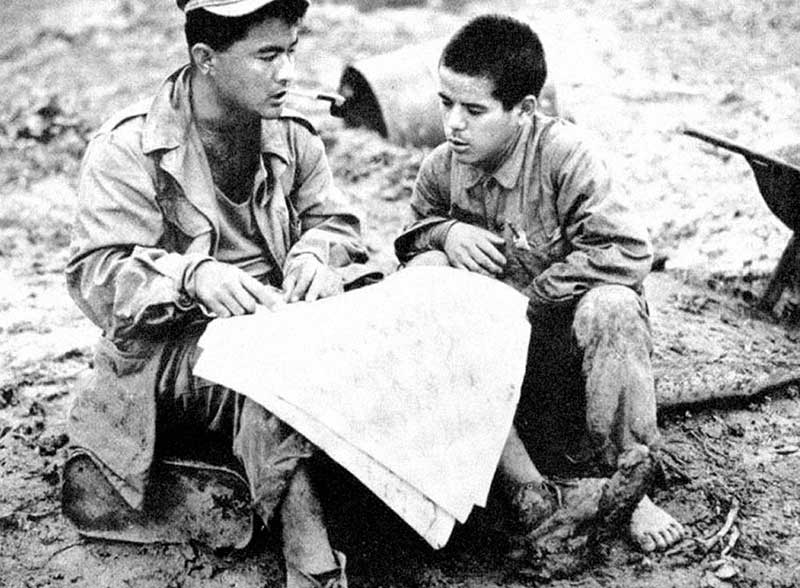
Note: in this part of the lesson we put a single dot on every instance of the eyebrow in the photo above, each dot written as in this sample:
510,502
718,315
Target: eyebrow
277,48
467,104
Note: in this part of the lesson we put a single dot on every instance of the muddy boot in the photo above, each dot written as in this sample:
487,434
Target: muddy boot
335,578
187,501
592,510
89,500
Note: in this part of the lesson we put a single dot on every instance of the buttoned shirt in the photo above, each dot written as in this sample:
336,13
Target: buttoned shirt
553,200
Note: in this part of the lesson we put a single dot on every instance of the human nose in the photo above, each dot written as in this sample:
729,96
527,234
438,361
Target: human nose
285,72
454,118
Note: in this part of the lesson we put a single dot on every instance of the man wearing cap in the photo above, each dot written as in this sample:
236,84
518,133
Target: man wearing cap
208,200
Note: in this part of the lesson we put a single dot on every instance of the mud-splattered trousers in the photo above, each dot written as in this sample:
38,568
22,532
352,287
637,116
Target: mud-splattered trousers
588,392
146,218
575,250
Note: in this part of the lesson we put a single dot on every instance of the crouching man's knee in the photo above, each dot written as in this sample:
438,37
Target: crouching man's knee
612,314
611,328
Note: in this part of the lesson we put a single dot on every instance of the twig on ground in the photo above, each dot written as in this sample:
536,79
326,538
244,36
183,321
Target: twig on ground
709,543
43,514
62,550
674,466
711,452
734,537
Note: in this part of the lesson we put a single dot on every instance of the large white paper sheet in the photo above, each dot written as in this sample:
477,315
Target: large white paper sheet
430,521
420,372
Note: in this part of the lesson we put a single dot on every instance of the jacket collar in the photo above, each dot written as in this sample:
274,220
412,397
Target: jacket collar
169,123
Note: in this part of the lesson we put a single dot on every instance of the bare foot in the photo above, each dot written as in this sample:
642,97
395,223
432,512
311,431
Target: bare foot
605,503
652,528
532,503
335,578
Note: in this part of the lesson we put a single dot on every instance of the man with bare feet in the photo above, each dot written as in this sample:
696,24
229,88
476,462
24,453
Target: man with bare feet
526,199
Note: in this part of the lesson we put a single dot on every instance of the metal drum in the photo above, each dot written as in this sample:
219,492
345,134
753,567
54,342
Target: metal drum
396,94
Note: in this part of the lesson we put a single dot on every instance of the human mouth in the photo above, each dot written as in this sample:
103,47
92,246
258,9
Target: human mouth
278,97
457,145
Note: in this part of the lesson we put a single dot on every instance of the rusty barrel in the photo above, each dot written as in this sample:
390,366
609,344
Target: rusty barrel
396,94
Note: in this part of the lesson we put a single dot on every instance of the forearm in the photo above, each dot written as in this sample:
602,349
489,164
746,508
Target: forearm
130,292
333,238
425,235
565,281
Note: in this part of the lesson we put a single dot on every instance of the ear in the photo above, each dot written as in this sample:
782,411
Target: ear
527,106
203,58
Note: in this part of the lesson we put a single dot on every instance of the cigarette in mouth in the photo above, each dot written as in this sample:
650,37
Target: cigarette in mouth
332,97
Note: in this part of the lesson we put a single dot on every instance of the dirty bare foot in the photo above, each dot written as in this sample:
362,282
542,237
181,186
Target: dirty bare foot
335,578
557,546
594,508
532,498
532,503
652,528
579,504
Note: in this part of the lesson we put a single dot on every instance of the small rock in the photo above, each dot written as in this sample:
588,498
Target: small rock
49,444
726,571
187,551
736,430
9,520
36,409
204,572
731,98
711,581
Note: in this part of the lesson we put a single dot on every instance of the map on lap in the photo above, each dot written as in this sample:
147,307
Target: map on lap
411,384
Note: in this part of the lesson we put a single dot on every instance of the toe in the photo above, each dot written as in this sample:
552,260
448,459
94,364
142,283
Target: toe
675,533
646,542
663,540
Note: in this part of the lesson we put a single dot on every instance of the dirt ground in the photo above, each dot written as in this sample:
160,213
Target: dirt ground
632,72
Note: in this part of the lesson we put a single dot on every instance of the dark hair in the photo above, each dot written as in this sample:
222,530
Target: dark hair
220,32
502,49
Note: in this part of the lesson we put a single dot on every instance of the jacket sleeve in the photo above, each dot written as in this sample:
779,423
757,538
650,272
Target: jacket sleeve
327,229
430,218
119,273
605,243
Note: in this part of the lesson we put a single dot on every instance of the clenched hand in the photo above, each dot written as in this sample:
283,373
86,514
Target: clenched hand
473,248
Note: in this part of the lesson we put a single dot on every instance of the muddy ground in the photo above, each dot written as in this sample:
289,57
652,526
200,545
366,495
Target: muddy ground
632,72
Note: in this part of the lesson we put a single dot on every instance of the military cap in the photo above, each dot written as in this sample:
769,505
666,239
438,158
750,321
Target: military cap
226,7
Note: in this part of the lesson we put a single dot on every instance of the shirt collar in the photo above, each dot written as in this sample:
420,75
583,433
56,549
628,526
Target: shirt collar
508,172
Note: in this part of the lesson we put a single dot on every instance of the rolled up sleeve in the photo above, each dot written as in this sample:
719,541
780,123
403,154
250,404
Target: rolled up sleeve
119,274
